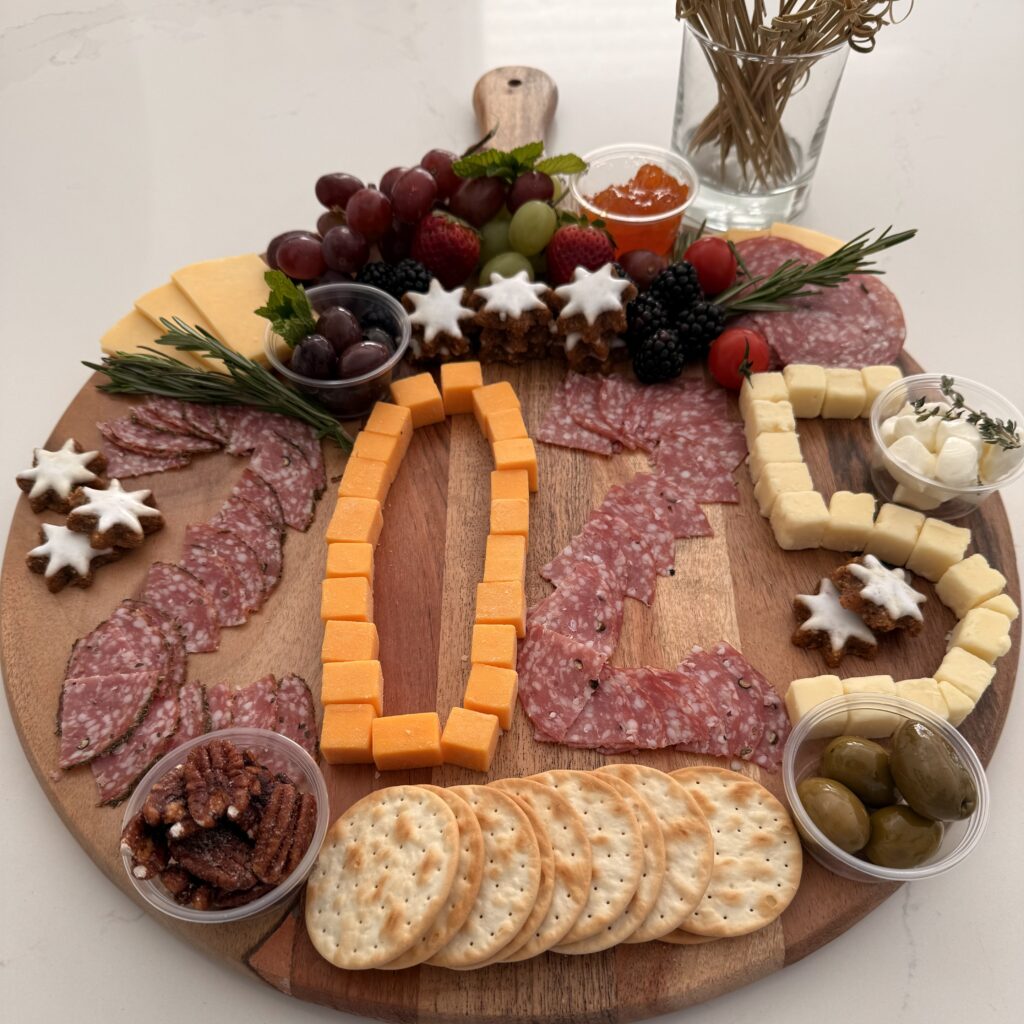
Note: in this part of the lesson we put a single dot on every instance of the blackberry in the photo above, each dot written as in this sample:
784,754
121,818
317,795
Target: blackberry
645,315
378,275
698,326
410,276
377,318
659,357
676,287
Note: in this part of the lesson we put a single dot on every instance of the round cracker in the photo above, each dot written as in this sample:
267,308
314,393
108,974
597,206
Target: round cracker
511,880
757,853
571,852
689,850
465,888
383,874
651,878
616,848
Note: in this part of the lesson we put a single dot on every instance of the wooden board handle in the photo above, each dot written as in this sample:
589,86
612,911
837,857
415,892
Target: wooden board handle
521,101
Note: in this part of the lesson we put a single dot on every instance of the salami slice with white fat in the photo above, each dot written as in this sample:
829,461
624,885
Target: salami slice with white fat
126,642
139,438
679,511
209,421
661,410
616,399
246,564
285,468
633,507
226,590
249,427
220,700
194,715
256,491
176,592
255,705
696,470
296,714
558,427
607,719
584,403
684,709
162,413
246,520
587,607
123,464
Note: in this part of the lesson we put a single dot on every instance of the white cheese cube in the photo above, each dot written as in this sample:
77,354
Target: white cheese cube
908,425
997,462
778,477
876,380
957,463
983,633
768,418
806,385
844,394
799,519
894,534
925,692
909,452
967,672
1002,603
957,705
773,448
965,585
865,722
768,387
887,430
850,518
913,498
805,694
958,428
939,545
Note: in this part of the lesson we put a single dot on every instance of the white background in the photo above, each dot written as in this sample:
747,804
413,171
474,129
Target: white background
136,137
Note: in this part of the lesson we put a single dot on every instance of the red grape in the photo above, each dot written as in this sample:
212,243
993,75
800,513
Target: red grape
642,266
340,327
397,243
335,190
301,257
328,220
345,250
387,183
439,163
275,244
369,213
530,185
477,200
413,195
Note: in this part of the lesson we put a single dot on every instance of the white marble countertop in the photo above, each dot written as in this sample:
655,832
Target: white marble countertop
139,135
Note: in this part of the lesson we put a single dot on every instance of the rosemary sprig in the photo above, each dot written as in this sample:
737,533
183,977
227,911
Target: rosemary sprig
795,280
244,383
993,431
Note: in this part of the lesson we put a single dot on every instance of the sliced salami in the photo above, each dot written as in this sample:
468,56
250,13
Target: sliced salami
98,712
617,397
126,642
117,773
194,715
697,471
739,704
220,700
296,714
559,428
678,510
222,583
230,548
207,421
178,593
607,720
698,674
587,607
162,413
557,676
684,709
255,705
123,464
661,410
584,403
285,468
255,490
240,517
249,427
632,507
147,441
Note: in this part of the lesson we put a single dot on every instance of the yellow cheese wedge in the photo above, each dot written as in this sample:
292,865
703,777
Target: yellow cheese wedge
133,332
825,244
169,301
227,291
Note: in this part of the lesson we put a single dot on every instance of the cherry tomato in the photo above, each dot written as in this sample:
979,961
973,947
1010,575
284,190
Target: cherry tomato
714,262
730,349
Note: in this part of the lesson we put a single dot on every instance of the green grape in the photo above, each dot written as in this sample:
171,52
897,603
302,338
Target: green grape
506,264
531,227
560,188
493,239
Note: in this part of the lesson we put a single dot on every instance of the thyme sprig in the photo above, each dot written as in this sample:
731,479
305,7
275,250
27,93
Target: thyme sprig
245,382
794,280
993,431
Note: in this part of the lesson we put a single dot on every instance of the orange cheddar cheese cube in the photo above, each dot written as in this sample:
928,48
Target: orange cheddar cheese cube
380,448
350,558
349,597
492,691
407,741
345,640
346,735
494,645
510,515
502,602
420,396
355,519
469,739
510,483
492,398
353,682
517,453
365,478
393,420
458,382
505,557
505,424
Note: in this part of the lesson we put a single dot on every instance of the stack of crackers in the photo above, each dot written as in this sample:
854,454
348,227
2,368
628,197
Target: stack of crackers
566,861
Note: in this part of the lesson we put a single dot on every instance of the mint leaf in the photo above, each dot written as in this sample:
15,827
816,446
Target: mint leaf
526,156
287,308
567,163
492,163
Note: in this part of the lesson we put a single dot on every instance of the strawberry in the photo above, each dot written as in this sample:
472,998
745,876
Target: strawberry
575,246
448,247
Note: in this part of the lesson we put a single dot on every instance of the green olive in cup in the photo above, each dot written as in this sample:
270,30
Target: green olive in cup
836,811
862,766
930,775
902,838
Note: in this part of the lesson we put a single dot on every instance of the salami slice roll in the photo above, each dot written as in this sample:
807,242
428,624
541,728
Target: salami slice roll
147,441
230,548
255,706
245,520
296,714
285,468
222,583
587,607
123,464
255,490
178,593
220,701
559,428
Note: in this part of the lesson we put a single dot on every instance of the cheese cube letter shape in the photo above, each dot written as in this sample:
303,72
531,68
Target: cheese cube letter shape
805,694
365,478
776,479
458,382
420,396
493,398
876,380
517,453
505,559
894,534
353,558
925,692
353,682
957,705
493,644
506,424
768,418
799,519
393,420
850,518
866,721
510,516
355,519
965,585
407,741
502,602
347,598
380,448
768,387
844,394
470,739
1002,603
806,385
768,448
510,483
345,737
968,673
982,632
345,640
492,690
939,546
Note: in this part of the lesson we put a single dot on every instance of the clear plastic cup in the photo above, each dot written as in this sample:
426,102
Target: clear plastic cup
802,759
282,754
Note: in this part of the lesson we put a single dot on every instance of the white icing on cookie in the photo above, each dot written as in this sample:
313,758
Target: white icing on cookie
438,311
511,296
572,340
65,549
888,588
116,507
829,616
60,471
592,293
